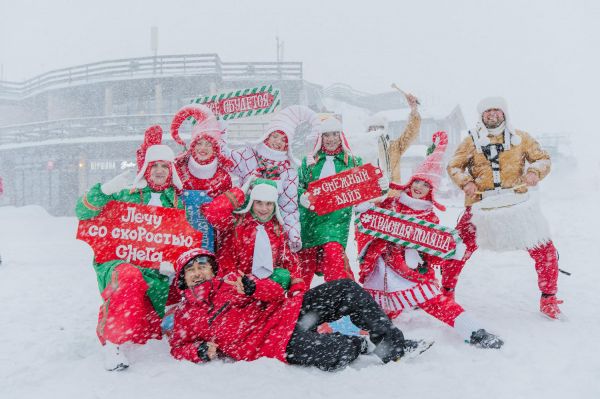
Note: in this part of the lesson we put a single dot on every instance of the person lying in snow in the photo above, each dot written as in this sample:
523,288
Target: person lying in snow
400,278
246,318
133,297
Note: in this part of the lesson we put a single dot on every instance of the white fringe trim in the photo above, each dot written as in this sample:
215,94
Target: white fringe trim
510,228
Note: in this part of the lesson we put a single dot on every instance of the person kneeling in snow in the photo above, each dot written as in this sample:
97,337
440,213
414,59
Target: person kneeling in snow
134,297
400,278
252,239
247,318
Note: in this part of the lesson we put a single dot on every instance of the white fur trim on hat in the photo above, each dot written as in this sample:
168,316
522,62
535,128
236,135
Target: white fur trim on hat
510,138
287,120
264,192
159,152
491,103
329,123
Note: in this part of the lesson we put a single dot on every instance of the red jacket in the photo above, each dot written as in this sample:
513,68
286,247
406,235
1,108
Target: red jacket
393,254
216,185
243,327
237,234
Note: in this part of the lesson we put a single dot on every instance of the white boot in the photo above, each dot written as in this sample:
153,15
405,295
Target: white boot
114,358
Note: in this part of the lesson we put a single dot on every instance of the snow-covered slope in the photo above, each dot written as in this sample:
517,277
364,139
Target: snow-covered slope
49,302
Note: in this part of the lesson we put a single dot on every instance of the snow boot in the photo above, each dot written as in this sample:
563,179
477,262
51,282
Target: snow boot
391,347
549,306
485,340
114,358
413,349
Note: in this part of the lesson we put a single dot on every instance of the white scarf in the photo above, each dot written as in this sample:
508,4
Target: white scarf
262,259
414,203
202,171
155,199
328,167
264,151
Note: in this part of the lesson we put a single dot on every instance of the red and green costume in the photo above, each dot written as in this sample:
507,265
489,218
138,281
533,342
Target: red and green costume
134,297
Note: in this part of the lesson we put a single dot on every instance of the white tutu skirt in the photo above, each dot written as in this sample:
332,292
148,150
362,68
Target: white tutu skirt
509,222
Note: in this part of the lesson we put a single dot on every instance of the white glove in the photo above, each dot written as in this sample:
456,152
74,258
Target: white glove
384,183
295,241
117,183
166,269
363,207
296,246
305,201
248,182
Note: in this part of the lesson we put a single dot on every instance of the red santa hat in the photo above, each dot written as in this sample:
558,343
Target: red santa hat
328,123
430,170
287,121
207,127
157,153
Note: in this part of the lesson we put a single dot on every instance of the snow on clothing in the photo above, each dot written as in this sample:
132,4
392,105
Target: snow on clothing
212,177
470,165
324,237
332,227
545,257
399,278
262,161
209,175
268,324
238,233
134,297
244,327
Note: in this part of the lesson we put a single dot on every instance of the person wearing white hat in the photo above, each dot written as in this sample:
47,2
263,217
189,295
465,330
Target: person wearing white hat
324,237
251,235
495,164
271,157
133,297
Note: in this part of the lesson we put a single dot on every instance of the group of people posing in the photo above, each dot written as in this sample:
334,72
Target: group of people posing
251,296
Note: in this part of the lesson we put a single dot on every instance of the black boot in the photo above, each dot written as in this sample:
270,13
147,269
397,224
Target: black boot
485,340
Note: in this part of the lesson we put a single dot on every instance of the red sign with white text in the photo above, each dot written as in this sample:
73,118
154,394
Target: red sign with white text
248,102
405,230
143,235
345,189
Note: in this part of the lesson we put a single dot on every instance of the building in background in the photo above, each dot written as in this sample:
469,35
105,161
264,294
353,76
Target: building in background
64,130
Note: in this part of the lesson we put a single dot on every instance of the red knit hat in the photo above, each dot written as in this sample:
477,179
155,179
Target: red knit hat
152,136
431,169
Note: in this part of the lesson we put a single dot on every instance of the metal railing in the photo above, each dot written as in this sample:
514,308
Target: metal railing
113,126
143,67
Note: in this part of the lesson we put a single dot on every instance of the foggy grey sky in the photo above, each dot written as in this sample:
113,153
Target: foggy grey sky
541,55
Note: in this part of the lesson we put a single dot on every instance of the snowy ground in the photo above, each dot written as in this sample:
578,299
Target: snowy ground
49,301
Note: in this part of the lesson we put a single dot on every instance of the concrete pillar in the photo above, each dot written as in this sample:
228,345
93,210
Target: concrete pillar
108,101
158,99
